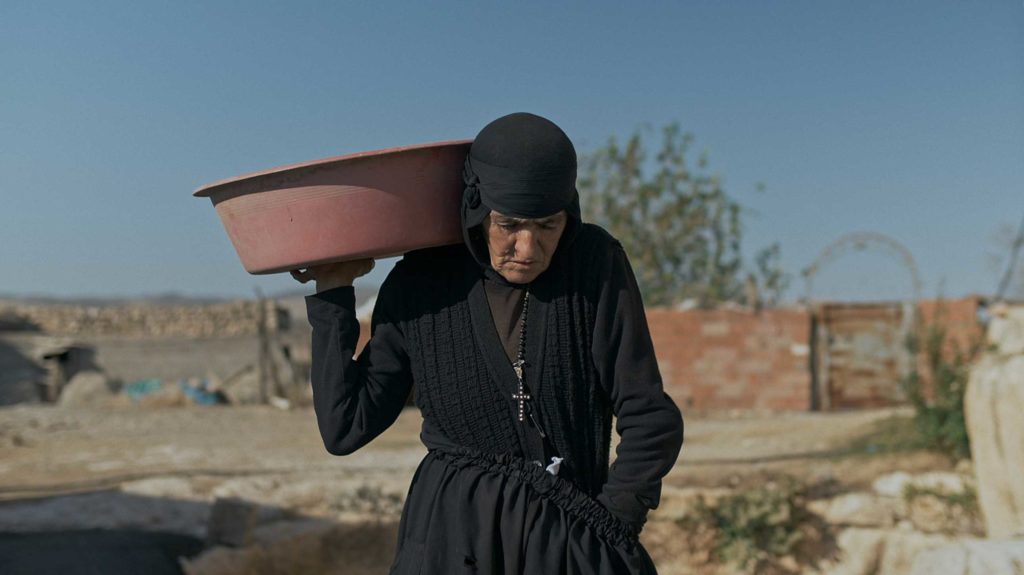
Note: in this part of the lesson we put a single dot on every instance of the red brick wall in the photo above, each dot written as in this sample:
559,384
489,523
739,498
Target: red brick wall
727,358
959,316
738,359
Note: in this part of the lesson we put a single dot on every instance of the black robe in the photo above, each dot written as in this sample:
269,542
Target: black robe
481,500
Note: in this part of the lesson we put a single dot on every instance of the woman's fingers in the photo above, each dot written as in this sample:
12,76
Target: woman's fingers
340,273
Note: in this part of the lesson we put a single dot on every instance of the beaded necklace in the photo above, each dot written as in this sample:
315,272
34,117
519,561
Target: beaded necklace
520,361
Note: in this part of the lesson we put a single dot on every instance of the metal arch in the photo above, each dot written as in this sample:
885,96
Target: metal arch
860,241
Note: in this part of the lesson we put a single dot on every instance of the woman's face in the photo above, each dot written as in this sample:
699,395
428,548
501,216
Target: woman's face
521,249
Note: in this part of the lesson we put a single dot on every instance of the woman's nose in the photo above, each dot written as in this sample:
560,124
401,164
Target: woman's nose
526,242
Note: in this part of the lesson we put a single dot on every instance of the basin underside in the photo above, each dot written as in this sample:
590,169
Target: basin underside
375,204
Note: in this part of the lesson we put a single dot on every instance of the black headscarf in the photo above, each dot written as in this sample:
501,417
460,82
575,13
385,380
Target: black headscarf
523,166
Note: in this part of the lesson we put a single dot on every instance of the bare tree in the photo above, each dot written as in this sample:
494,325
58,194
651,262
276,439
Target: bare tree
1007,261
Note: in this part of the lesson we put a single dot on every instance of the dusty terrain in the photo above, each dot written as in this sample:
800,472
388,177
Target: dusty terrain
47,450
161,469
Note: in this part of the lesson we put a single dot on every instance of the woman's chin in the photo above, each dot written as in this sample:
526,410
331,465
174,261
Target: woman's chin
519,276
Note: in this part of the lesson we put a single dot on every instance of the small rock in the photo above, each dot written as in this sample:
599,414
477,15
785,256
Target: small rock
943,482
232,522
892,485
972,557
895,484
928,514
859,552
86,388
902,547
933,514
858,509
280,403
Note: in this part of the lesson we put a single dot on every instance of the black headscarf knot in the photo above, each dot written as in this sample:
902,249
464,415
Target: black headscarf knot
471,195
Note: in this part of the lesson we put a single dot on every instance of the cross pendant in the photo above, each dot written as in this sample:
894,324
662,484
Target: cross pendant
517,366
522,396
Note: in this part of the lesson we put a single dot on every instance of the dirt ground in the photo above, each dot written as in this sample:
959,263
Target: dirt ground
162,468
49,450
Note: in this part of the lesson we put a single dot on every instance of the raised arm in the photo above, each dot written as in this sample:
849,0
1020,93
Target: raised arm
357,399
648,422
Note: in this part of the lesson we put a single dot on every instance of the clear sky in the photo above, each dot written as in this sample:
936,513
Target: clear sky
904,118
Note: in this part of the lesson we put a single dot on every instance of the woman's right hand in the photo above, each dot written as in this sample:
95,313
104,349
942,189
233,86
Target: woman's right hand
332,275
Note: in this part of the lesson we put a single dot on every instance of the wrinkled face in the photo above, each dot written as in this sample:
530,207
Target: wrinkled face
521,249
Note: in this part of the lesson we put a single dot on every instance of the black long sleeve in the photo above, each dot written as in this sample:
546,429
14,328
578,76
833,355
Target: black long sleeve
649,423
356,399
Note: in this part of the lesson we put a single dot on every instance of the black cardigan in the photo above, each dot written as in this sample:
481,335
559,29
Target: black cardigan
589,355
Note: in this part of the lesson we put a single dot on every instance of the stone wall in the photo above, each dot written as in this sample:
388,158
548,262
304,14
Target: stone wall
226,319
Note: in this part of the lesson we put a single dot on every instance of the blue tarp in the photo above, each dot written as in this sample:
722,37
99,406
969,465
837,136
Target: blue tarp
197,394
139,389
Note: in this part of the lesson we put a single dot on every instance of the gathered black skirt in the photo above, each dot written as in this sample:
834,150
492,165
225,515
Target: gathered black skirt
469,512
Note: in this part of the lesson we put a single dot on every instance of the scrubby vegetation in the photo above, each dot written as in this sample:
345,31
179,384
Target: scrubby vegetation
937,391
894,434
767,529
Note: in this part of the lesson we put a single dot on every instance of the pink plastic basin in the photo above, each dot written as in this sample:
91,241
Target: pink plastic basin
371,204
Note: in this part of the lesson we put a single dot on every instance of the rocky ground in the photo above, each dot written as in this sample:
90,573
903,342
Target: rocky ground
166,469
843,493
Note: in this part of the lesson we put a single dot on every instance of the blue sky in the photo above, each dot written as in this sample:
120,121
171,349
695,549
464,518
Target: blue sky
904,118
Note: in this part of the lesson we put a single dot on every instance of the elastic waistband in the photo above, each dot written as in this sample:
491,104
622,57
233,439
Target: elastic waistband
563,493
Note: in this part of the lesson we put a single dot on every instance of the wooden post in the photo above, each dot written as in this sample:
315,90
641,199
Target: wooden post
264,347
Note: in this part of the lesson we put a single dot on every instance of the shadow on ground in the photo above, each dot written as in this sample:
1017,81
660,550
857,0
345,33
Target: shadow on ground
95,551
113,532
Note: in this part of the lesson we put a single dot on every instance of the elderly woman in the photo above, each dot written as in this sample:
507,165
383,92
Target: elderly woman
521,344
